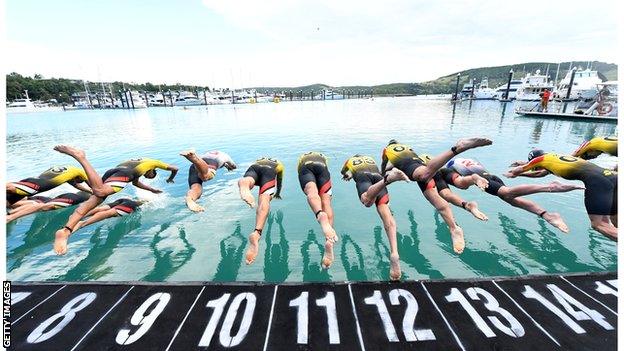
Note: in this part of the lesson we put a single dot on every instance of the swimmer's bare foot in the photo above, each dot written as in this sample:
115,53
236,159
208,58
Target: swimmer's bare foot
556,187
192,205
394,175
252,252
60,241
71,151
457,236
395,267
329,232
556,221
473,208
328,257
188,153
246,195
471,143
481,182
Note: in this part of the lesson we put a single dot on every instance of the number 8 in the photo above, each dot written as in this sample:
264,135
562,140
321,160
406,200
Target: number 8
68,312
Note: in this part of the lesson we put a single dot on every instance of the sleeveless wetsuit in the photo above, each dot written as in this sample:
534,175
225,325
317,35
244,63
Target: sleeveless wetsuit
406,160
128,171
47,180
267,173
600,183
596,146
365,173
124,206
214,159
312,167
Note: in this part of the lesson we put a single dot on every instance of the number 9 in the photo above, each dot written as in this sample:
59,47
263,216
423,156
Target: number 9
139,318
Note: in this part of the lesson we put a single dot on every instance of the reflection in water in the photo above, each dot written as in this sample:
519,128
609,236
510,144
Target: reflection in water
409,249
231,249
587,131
536,135
90,267
483,263
502,118
354,271
276,255
547,250
597,248
383,254
312,270
40,233
168,262
453,114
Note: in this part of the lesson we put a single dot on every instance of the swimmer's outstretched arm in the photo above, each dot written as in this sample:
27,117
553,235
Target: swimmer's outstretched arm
174,171
535,174
97,209
140,185
82,187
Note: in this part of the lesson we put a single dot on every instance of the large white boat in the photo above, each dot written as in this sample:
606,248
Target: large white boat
513,89
25,105
134,100
584,85
532,86
466,92
484,92
186,98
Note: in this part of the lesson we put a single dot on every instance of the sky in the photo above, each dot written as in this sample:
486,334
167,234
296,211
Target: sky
236,43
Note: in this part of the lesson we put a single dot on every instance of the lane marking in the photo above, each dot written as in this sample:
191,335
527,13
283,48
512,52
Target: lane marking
266,339
37,305
588,295
528,315
98,322
444,318
357,321
184,320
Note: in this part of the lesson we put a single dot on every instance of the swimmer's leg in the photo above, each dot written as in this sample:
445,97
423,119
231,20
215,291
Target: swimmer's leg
470,206
552,218
314,200
553,187
369,196
99,216
25,202
202,167
603,225
464,182
328,258
245,185
95,181
390,227
194,193
62,235
27,209
427,171
261,215
457,234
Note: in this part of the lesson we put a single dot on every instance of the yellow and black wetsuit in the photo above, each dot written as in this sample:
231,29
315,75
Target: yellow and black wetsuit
129,171
365,173
47,180
600,183
266,173
312,167
124,206
596,146
406,160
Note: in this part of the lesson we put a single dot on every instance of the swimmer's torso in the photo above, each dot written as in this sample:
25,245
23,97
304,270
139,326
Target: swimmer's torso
359,165
270,163
140,166
219,157
596,146
311,157
400,155
62,174
567,167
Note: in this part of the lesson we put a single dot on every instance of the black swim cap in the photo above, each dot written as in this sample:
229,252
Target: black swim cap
392,141
535,153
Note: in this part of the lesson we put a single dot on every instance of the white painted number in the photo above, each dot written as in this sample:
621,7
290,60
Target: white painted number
145,322
409,317
567,301
329,303
457,296
606,289
225,336
67,313
18,296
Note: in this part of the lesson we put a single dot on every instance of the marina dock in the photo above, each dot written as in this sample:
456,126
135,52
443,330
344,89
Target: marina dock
552,312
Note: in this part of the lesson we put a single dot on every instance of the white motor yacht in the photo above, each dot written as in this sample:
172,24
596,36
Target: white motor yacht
513,88
532,86
484,92
584,85
186,98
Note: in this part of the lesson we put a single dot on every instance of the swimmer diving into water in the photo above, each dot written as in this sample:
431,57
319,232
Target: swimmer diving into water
113,181
38,203
203,169
600,184
371,188
267,174
50,179
403,158
464,172
117,208
596,146
315,182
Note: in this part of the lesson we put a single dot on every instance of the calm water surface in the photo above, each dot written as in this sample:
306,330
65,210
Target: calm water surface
166,242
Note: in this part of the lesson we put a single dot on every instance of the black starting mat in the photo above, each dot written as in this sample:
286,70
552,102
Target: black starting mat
570,312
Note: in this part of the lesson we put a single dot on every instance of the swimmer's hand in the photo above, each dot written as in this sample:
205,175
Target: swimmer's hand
279,197
518,163
509,174
170,180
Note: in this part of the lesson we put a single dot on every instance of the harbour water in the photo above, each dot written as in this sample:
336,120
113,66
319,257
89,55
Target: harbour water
164,241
